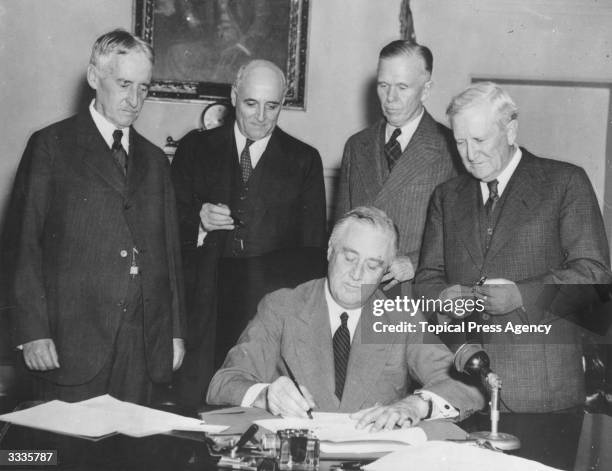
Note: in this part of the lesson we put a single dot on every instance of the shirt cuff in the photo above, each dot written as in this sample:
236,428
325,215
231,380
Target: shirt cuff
201,236
441,408
249,397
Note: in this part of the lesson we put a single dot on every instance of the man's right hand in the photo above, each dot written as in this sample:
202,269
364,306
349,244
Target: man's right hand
216,217
283,398
40,355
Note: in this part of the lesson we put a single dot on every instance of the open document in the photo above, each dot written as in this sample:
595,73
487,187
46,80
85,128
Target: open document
338,434
102,416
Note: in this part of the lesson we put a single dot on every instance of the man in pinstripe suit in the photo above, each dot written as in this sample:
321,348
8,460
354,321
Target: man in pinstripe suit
532,226
396,163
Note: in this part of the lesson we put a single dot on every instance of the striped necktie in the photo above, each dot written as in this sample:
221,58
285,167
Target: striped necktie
342,350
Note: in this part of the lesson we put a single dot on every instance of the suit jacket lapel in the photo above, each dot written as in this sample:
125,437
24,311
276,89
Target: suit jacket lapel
313,348
522,198
371,167
417,158
465,218
96,154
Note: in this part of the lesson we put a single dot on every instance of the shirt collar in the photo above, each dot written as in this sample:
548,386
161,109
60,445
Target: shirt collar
335,310
504,177
257,148
107,128
408,130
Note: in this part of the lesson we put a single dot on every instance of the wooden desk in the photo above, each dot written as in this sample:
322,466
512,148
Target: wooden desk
549,438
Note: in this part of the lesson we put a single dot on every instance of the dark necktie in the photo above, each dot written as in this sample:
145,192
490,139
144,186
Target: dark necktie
119,153
246,168
493,197
342,350
393,149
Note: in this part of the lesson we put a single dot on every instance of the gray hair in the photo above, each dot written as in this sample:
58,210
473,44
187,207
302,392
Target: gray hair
370,215
118,42
259,63
487,93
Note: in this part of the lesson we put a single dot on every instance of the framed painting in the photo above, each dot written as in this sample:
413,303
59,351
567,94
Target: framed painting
200,44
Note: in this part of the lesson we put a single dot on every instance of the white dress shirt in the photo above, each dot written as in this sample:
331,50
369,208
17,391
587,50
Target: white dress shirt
408,130
504,177
107,129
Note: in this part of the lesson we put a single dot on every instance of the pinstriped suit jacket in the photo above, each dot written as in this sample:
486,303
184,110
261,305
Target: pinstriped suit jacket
550,232
294,324
73,220
429,159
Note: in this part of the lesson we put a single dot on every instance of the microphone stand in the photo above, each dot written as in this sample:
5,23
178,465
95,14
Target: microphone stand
478,364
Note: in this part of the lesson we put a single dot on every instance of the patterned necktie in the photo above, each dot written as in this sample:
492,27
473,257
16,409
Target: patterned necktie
393,149
119,153
493,197
342,350
246,168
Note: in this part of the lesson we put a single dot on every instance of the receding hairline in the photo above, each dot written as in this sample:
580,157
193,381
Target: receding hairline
116,43
259,64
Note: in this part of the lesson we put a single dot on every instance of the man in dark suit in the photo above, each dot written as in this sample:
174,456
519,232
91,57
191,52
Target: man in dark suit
94,243
323,329
396,164
533,228
244,191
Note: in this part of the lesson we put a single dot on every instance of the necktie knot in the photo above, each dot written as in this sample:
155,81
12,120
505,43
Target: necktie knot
395,134
117,136
344,319
248,143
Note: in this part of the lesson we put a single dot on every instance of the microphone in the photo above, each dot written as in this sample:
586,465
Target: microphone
472,359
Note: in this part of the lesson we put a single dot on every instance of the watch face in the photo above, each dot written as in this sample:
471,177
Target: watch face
215,115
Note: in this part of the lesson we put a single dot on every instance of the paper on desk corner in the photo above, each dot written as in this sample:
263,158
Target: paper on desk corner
448,456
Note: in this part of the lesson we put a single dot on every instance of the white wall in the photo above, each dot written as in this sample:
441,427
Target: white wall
554,40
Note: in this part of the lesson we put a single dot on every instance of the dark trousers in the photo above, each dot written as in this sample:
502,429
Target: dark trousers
124,375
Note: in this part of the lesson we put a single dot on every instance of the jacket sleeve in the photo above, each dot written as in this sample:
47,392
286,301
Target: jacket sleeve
343,195
253,359
313,207
31,198
173,248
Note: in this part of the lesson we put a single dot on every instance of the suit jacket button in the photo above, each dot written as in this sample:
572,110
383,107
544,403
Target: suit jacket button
485,316
123,253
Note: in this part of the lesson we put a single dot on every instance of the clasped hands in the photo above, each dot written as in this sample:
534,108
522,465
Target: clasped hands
281,397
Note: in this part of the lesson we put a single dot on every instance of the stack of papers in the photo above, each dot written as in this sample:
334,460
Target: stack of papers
338,434
103,416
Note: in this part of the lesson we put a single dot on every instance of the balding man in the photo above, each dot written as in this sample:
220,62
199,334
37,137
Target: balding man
396,163
244,190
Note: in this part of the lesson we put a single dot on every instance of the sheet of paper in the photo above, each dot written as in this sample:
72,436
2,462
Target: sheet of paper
448,456
104,415
138,421
338,434
63,417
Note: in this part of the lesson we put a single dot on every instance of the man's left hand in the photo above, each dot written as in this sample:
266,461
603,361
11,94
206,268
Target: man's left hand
404,413
178,353
400,270
499,296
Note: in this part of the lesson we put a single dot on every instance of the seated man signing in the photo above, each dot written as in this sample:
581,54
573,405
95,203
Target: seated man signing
316,330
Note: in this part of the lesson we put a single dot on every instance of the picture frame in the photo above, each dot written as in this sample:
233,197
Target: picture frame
201,44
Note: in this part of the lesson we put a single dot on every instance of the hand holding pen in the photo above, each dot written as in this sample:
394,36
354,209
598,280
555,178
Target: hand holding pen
286,397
